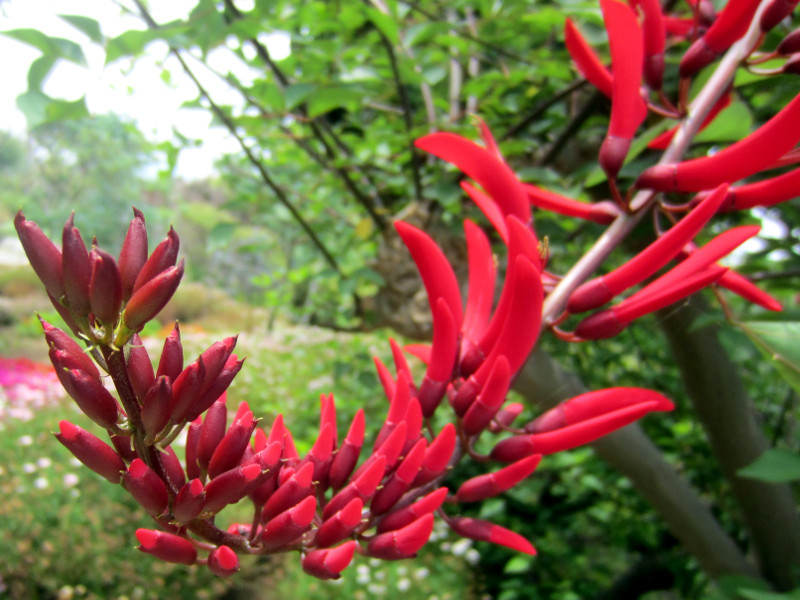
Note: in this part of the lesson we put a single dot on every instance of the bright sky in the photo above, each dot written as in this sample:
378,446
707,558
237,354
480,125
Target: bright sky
134,89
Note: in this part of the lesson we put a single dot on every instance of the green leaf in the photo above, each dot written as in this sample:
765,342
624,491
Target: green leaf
779,342
298,93
39,70
385,24
40,108
731,125
774,466
89,27
326,99
128,43
52,46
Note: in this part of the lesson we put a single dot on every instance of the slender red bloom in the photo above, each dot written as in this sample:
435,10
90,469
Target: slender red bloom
146,487
148,300
363,487
155,406
655,39
776,11
392,490
767,192
484,531
91,451
166,546
402,543
401,517
171,361
758,151
140,369
587,62
491,398
289,493
491,484
133,254
223,562
340,525
71,355
212,432
489,208
602,213
290,524
230,487
628,108
189,502
42,254
482,275
347,455
92,398
185,389
231,447
745,288
790,44
329,563
443,358
76,267
437,456
163,257
600,290
482,165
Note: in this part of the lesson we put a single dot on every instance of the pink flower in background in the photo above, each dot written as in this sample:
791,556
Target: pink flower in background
25,387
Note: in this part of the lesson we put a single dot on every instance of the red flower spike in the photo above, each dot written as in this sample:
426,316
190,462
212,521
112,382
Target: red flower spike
347,455
155,406
402,543
628,108
758,151
587,62
506,416
400,363
610,322
289,525
489,401
385,377
483,531
91,451
437,456
746,289
406,515
223,562
486,136
166,546
289,492
320,455
42,254
482,275
140,369
105,287
215,358
92,398
328,564
279,433
340,525
214,424
185,389
437,274
600,290
172,467
163,257
229,487
767,192
189,502
655,38
593,405
171,361
362,487
602,213
397,485
327,415
76,267
192,439
148,300
398,408
414,422
230,449
662,141
790,44
443,358
133,254
215,389
146,487
491,484
482,165
390,449
489,208
730,24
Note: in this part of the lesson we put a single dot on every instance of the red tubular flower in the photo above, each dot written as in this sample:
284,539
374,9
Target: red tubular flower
321,454
171,361
42,254
482,165
790,44
480,298
655,39
146,487
223,562
133,254
192,439
489,208
76,267
491,484
185,389
346,456
166,546
437,456
172,467
434,268
443,358
483,531
506,416
610,322
289,525
155,406
400,362
399,518
588,63
231,447
767,192
600,290
229,487
91,451
163,257
628,108
742,286
489,401
268,459
397,485
148,300
70,354
212,390
398,407
730,24
212,432
289,493
140,369
385,377
402,543
661,142
362,487
92,398
189,502
329,563
602,213
758,151
340,525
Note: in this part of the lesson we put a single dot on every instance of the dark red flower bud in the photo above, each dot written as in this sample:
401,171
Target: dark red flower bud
232,446
790,44
400,481
146,487
437,456
390,450
185,390
163,257
491,484
133,254
192,440
172,468
213,431
171,361
483,531
91,451
655,37
156,406
602,213
166,546
92,398
189,502
213,390
140,369
123,446
229,487
340,525
489,401
268,459
289,525
76,268
289,493
321,454
148,300
406,515
402,543
346,457
105,287
362,487
329,563
223,562
43,255
506,416
280,433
